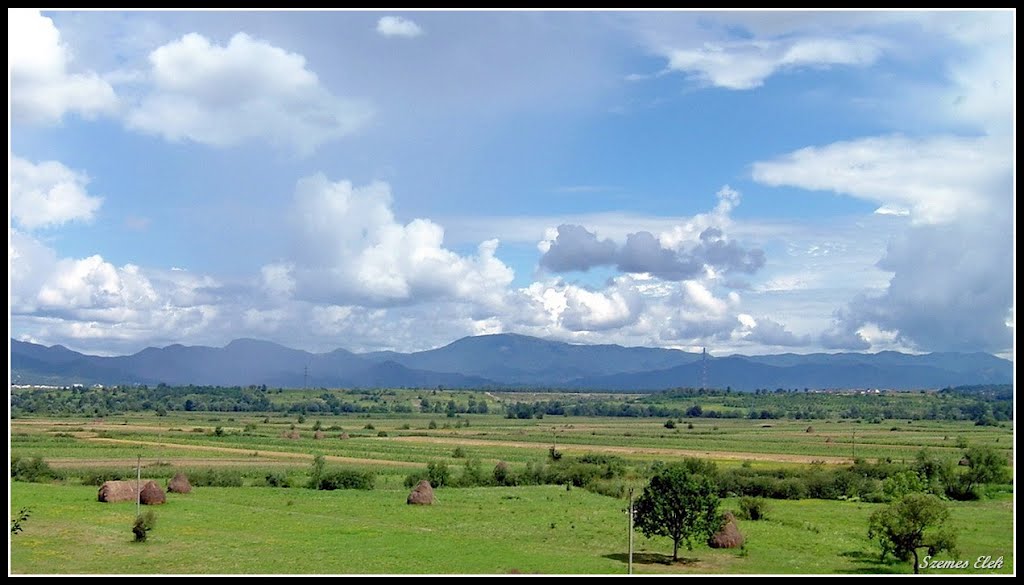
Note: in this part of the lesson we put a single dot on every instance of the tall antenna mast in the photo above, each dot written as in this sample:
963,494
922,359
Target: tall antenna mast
704,369
305,376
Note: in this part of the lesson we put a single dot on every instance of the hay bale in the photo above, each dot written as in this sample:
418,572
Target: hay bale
809,430
117,491
318,435
422,494
152,495
965,462
729,535
290,435
343,436
179,484
828,439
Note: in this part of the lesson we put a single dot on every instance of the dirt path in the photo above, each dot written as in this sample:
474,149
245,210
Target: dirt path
721,455
72,463
261,452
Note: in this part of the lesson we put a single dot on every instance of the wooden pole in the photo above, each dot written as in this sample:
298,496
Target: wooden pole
138,486
630,531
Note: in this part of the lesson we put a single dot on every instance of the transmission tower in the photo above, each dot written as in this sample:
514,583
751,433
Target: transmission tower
704,369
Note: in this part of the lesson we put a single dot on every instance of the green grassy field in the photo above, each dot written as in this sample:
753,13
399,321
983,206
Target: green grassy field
530,529
478,530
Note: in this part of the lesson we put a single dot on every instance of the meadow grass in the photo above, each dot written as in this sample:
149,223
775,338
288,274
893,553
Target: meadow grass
540,529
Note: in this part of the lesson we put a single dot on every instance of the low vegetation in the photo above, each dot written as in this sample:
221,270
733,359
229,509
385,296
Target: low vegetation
561,480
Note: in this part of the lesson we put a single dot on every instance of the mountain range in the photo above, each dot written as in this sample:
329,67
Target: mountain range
503,361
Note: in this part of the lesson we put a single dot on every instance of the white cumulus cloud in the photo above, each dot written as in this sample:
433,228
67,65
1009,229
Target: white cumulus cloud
937,179
49,194
348,246
746,64
42,87
396,26
951,268
246,90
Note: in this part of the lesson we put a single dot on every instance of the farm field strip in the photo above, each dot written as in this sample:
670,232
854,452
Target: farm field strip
264,453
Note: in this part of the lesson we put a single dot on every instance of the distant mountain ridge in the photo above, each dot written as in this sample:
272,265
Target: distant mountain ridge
502,360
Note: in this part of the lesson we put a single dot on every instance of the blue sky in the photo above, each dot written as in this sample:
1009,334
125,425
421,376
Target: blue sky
752,182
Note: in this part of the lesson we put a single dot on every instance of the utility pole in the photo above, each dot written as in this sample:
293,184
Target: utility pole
630,531
138,487
305,376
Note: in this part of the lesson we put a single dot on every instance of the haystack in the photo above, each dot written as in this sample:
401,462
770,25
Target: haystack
291,435
343,436
422,494
117,491
728,536
318,435
152,494
179,484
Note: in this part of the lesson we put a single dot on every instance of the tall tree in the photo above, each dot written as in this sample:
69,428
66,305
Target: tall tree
680,502
914,522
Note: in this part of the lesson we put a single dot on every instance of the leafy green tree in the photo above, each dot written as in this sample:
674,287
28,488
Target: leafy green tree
914,522
680,502
900,484
984,465
936,471
317,472
438,474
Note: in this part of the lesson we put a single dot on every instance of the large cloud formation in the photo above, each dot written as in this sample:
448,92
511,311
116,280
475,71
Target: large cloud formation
952,268
247,89
348,247
573,247
43,90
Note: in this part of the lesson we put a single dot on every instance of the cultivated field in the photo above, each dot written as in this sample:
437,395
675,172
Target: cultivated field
526,528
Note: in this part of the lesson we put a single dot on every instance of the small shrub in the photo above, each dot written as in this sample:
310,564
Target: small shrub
689,426
143,524
369,426
752,508
382,434
19,520
33,470
346,479
276,479
459,453
437,474
218,432
554,454
670,424
98,477
432,425
503,474
472,475
215,478
317,426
